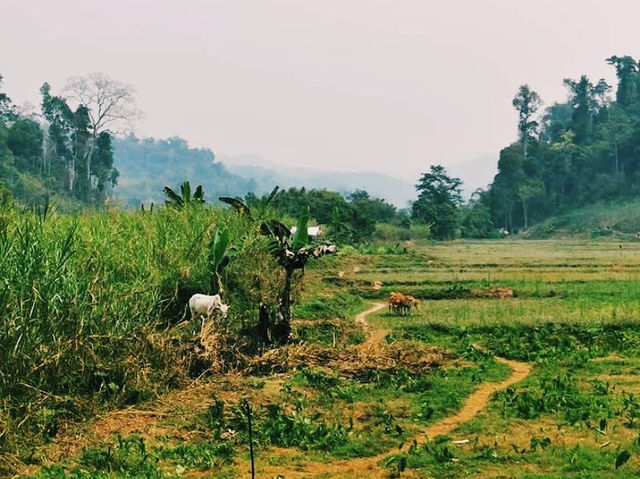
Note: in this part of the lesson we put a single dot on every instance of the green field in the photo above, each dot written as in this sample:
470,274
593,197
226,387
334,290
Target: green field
321,407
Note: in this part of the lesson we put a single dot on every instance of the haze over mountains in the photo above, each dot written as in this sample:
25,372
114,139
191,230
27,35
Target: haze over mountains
147,165
399,191
265,174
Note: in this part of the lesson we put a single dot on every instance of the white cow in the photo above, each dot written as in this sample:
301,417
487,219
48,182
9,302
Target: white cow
207,307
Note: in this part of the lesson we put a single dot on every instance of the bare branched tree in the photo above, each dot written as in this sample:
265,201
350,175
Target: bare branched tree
110,103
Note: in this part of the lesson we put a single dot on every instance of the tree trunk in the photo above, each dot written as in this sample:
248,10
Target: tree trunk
524,210
264,325
282,329
72,173
90,156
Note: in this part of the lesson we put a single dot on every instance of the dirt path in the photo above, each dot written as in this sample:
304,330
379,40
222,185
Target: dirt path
368,466
361,318
478,400
377,335
146,422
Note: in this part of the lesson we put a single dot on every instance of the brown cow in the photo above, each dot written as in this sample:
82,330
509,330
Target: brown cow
402,304
409,303
396,300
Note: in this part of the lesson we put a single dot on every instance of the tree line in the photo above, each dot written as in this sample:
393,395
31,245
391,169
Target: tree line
66,149
574,153
568,155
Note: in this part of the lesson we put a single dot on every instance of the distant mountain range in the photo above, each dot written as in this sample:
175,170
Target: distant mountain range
266,175
477,173
147,165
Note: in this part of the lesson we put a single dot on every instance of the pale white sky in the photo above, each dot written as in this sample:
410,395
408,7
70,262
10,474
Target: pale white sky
390,86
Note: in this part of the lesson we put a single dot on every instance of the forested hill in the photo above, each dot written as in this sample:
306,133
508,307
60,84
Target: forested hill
570,154
64,152
147,165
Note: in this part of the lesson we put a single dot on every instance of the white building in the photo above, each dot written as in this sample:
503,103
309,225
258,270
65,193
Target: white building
312,231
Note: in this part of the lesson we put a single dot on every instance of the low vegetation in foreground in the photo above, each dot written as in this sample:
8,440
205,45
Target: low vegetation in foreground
150,400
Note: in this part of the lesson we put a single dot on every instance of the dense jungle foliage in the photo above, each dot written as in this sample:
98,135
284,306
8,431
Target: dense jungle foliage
577,152
568,156
66,151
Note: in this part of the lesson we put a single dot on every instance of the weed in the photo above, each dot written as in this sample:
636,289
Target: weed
127,455
555,394
631,410
214,416
200,455
318,379
440,449
298,430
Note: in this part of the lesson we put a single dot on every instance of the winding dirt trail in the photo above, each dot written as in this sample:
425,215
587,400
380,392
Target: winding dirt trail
361,318
368,466
146,422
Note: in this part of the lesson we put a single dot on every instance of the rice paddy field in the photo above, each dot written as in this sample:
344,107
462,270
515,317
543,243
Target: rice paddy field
540,384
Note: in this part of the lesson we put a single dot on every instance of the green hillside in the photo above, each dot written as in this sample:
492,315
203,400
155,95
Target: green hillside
616,219
147,165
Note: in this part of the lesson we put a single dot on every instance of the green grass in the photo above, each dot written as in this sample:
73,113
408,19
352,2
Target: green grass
87,302
618,218
130,457
575,317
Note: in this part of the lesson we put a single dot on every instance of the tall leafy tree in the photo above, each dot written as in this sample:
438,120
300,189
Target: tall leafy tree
527,102
583,101
504,192
110,107
628,80
60,119
105,175
438,201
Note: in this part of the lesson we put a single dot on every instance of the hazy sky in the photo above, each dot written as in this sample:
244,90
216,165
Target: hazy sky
390,86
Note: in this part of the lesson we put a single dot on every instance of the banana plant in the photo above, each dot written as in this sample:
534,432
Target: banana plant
242,207
219,257
178,201
291,251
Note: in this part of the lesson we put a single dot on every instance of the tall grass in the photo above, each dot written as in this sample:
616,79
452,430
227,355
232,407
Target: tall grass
84,300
